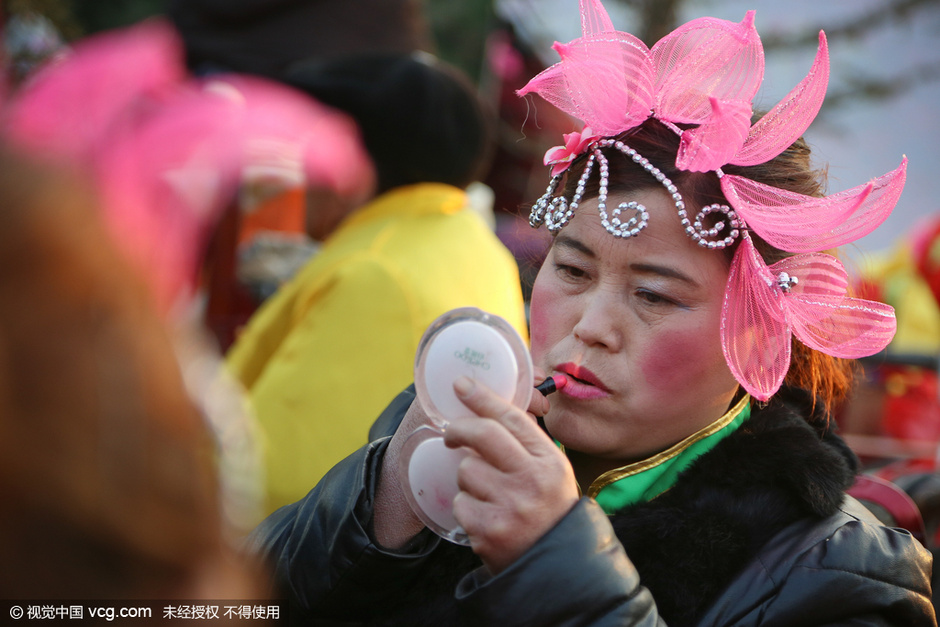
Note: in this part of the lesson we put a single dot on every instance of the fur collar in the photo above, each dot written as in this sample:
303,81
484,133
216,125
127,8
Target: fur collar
782,465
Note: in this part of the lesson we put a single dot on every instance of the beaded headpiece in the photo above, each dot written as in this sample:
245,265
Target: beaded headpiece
704,75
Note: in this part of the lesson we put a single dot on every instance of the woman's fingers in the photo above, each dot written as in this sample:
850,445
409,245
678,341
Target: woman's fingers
517,485
505,436
539,405
489,439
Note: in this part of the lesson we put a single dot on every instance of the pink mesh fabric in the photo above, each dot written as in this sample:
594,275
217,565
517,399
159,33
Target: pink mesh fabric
606,80
706,73
594,18
759,314
167,153
790,118
703,59
709,146
823,317
754,334
799,223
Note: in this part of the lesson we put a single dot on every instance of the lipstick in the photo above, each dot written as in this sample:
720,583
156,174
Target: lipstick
552,384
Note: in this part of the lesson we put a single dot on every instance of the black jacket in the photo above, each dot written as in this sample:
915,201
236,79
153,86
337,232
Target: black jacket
757,531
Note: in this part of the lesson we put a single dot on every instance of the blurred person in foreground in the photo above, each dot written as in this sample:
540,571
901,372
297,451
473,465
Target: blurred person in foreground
334,344
127,466
688,473
107,468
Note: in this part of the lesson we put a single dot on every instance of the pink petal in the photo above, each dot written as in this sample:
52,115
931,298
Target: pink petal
754,335
819,275
594,18
709,146
560,167
555,154
604,80
706,58
824,318
550,85
800,223
854,328
783,124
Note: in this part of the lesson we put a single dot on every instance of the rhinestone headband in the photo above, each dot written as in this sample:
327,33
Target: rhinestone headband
555,211
704,76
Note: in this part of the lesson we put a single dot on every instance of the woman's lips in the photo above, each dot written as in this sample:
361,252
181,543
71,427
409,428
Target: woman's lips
582,383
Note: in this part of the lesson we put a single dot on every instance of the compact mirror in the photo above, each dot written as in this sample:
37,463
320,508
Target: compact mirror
463,342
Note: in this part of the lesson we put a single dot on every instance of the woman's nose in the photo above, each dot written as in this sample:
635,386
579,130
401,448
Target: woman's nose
600,322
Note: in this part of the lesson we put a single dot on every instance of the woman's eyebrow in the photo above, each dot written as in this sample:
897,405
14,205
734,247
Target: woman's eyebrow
566,241
664,271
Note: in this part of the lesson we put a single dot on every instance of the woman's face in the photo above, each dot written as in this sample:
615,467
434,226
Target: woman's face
634,323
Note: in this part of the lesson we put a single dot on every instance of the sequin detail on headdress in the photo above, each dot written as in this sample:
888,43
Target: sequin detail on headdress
703,76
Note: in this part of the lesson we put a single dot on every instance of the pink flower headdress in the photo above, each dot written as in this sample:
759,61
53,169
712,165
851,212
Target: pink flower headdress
704,76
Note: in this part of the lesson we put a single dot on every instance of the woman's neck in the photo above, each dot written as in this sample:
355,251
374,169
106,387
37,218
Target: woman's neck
587,468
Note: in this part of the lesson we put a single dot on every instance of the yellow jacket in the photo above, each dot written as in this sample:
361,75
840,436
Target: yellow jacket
326,353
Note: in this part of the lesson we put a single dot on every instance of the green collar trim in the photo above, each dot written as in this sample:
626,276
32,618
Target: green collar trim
646,479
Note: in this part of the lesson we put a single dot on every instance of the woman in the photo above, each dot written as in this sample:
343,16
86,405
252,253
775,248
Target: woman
696,430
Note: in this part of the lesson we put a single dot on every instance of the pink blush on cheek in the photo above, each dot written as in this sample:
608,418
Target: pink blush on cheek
677,358
539,322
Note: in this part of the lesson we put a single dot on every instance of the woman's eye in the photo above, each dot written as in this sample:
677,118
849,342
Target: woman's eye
572,272
653,298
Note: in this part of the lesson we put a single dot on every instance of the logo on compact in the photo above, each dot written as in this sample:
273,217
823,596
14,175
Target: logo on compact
474,359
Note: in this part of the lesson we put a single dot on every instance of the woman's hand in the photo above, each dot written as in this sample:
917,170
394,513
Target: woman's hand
517,486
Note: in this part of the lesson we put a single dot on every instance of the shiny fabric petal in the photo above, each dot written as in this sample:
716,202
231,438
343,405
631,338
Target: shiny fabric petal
604,80
706,58
755,337
799,223
804,295
594,17
560,157
790,118
710,145
824,318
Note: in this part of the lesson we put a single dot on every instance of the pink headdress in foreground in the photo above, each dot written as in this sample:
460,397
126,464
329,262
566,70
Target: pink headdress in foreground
166,152
705,74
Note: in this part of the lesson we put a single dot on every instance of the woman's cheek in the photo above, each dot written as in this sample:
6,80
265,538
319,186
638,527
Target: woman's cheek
677,359
539,320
